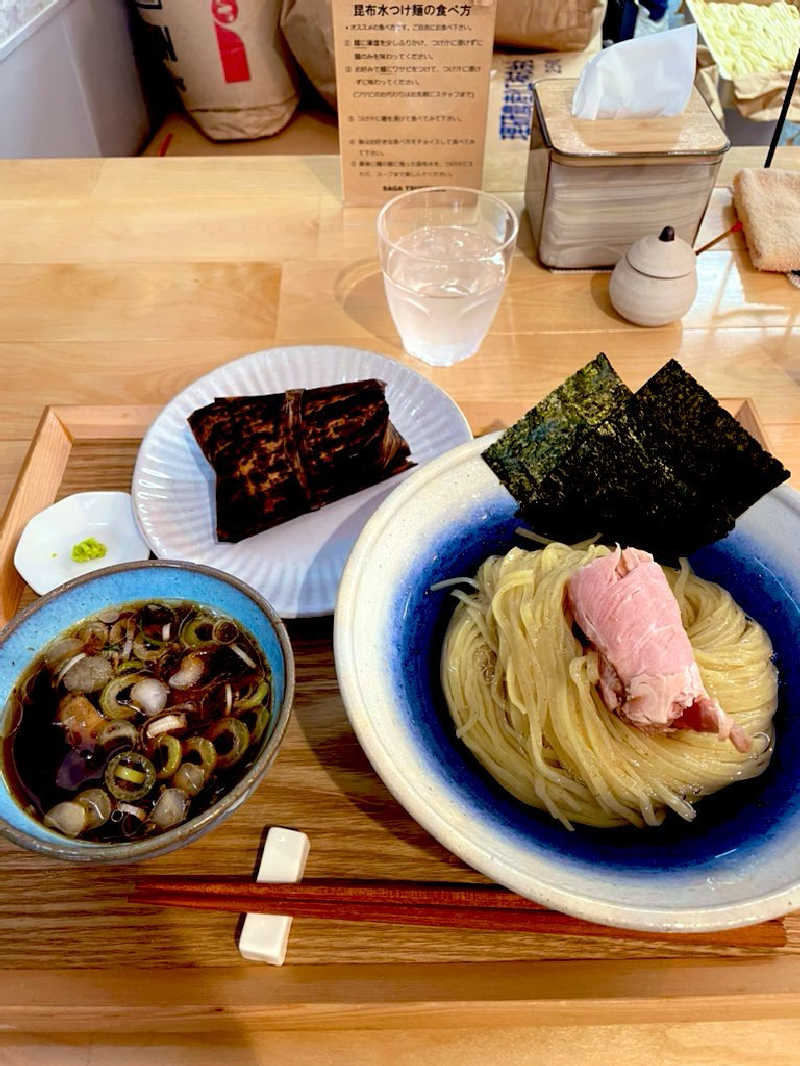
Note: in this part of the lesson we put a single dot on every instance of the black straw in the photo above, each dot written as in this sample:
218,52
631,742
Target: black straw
776,136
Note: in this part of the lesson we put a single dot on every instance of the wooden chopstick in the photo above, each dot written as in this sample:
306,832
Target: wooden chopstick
398,893
486,907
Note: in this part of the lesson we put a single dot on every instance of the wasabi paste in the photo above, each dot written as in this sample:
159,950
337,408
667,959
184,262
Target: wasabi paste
87,550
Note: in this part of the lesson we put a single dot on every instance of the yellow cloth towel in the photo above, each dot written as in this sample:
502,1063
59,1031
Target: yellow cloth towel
768,204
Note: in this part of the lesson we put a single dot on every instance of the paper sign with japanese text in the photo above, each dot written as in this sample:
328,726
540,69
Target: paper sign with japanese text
412,87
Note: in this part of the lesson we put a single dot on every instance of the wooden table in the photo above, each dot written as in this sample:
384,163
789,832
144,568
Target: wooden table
121,281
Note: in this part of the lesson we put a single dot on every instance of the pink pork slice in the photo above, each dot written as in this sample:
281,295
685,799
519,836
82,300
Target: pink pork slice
648,675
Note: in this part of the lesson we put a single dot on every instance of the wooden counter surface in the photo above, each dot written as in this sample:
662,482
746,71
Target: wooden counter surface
122,280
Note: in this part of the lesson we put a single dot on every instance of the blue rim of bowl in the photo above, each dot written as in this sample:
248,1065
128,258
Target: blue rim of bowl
410,794
229,801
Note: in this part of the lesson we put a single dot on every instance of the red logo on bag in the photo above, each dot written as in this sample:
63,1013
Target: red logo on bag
225,10
231,46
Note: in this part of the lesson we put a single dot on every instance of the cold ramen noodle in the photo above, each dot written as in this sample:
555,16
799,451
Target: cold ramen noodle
135,720
604,689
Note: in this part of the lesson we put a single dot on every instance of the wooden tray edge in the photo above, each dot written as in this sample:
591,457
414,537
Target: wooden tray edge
43,468
357,995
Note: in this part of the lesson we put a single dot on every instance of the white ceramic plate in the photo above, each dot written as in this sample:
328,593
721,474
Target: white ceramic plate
44,552
296,566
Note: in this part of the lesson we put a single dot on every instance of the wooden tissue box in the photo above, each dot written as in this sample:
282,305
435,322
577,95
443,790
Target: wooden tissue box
596,186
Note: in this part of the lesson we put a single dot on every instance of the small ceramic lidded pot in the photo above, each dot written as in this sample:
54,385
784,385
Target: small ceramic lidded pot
655,282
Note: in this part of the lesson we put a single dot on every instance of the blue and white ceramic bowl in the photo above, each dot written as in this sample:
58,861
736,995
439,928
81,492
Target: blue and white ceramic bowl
738,863
49,616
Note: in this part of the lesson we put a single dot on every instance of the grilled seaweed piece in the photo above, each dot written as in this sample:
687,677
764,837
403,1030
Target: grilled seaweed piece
527,457
705,441
613,482
279,456
667,469
637,497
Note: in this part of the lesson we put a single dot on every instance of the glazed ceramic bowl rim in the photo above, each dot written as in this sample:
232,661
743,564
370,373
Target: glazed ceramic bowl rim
188,831
419,798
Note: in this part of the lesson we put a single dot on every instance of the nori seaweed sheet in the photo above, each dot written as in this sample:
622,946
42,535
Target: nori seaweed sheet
641,498
667,469
535,445
705,441
614,482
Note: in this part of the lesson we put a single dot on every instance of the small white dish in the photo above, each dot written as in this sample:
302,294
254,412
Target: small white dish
44,552
297,565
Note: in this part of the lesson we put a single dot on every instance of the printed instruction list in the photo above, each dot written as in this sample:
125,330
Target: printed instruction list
412,88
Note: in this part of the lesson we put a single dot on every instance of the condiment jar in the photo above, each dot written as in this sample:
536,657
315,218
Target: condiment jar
655,282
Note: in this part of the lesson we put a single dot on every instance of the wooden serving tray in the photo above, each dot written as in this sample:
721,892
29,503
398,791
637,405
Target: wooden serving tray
75,955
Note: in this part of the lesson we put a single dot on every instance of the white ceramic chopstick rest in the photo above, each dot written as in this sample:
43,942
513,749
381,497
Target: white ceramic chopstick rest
265,937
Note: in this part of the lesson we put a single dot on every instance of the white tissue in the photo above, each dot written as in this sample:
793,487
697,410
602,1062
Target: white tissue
649,77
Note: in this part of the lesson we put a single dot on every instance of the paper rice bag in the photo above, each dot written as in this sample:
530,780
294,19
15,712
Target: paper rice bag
229,62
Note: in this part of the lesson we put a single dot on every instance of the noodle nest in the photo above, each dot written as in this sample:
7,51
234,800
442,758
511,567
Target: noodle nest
521,690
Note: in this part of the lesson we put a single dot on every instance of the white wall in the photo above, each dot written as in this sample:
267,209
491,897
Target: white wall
69,84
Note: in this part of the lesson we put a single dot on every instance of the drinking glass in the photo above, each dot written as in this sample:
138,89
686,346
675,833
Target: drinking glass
445,255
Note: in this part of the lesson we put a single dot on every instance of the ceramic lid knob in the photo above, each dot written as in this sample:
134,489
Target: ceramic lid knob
664,256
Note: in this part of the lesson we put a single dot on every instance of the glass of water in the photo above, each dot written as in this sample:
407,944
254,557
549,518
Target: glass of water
445,255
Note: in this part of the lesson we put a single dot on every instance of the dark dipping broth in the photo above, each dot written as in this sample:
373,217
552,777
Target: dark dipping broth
135,720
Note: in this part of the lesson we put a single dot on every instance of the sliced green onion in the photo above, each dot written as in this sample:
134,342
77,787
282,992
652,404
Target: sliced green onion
263,715
253,700
109,697
122,630
167,755
234,738
145,653
169,722
129,665
204,749
225,631
129,775
93,636
189,632
119,730
256,719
